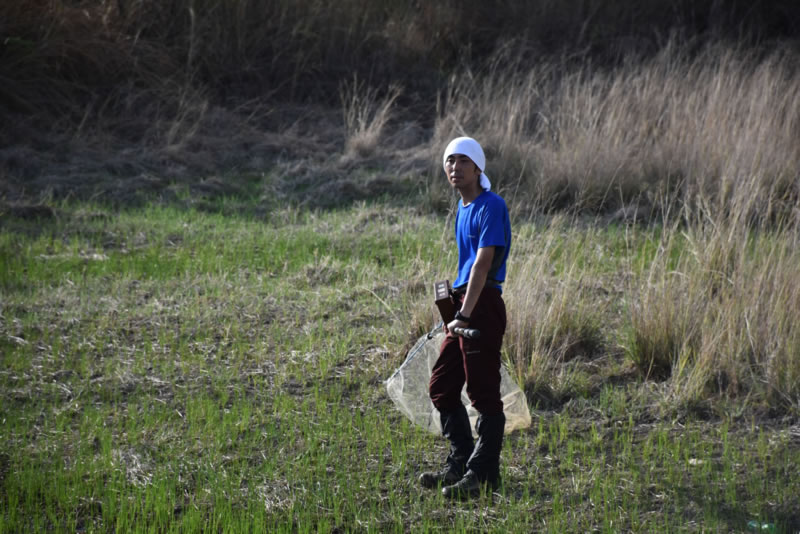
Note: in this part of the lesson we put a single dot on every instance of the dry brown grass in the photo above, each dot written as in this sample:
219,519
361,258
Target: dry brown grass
705,143
143,84
557,316
666,131
730,301
366,114
707,311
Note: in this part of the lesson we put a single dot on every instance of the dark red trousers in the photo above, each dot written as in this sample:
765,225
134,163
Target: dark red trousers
474,361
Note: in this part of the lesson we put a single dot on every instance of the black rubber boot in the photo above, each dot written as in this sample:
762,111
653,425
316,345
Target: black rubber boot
483,467
456,428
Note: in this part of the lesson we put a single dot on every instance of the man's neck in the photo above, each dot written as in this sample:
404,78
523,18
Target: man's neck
467,196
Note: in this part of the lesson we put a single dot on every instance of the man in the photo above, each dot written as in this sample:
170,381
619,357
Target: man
483,236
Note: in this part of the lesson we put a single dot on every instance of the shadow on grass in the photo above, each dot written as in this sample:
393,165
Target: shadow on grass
777,520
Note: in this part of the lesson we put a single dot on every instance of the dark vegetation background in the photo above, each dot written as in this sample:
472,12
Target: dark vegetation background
133,100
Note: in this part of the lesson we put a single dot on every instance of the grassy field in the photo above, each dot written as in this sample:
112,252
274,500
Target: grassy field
167,369
220,223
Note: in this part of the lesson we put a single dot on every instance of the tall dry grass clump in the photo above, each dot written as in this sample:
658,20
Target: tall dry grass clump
555,317
658,133
717,313
366,114
730,264
710,310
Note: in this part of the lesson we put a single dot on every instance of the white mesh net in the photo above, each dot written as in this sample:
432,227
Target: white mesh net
408,389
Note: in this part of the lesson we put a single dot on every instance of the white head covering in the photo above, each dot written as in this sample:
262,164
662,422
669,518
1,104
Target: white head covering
472,149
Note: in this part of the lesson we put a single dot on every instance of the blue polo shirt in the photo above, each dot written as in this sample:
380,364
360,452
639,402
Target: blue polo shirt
483,223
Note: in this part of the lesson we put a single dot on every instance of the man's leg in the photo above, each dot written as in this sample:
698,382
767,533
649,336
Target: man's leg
482,372
483,467
447,380
456,428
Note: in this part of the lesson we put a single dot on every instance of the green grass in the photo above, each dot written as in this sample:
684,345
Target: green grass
168,370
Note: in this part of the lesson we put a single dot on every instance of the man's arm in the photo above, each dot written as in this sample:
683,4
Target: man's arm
477,280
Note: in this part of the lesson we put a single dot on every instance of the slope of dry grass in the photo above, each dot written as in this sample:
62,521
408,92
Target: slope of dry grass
182,90
712,131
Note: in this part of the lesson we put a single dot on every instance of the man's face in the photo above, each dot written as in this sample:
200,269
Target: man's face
461,171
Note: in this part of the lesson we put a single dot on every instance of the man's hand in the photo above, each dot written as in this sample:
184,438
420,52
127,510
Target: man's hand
455,323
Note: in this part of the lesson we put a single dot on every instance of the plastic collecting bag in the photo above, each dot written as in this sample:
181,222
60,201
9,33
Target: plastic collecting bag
408,389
